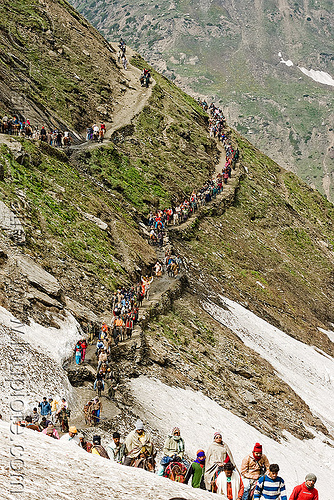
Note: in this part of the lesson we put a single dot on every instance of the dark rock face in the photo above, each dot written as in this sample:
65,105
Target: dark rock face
80,374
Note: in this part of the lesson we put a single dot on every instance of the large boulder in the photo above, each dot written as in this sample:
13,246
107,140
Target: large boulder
38,277
80,312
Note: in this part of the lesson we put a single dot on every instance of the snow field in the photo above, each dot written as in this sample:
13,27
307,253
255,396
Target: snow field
309,372
198,417
31,361
56,470
58,343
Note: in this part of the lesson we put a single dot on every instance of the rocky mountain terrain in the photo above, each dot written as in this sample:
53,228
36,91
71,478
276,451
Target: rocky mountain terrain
56,70
270,64
74,228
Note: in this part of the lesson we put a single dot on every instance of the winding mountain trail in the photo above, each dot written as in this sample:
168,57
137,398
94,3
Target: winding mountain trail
163,284
224,198
134,99
126,110
129,105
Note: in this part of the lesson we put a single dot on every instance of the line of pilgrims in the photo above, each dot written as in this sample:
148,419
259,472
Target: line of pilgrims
214,470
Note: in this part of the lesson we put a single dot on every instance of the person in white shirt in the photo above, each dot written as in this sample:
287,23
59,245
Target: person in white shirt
71,436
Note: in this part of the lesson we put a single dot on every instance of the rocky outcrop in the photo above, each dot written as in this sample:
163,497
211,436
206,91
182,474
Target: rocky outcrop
38,277
11,225
35,295
78,375
82,313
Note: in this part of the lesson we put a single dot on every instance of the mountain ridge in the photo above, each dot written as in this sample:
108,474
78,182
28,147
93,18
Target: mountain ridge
233,54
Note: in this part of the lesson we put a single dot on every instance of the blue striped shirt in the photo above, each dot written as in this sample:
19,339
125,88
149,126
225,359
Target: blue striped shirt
271,488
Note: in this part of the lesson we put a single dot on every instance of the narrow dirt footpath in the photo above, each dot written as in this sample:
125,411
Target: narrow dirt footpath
128,106
132,104
134,99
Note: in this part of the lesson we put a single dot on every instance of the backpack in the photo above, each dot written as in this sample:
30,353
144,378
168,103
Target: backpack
176,471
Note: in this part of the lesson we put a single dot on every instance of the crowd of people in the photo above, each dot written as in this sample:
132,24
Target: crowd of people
57,138
178,214
171,265
217,128
214,470
125,304
96,132
48,413
19,127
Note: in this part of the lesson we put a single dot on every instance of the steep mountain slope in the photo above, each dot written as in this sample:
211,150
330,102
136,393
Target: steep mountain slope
271,250
74,228
237,52
56,70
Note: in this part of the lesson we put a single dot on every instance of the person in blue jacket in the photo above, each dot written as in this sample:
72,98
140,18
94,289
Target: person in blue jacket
45,407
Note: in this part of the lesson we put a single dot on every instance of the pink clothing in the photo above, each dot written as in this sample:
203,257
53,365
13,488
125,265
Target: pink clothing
54,434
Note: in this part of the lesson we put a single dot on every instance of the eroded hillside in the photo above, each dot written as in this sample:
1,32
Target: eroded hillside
237,53
56,70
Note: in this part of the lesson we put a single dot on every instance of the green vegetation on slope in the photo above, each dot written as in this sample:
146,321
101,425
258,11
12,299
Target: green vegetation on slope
154,162
55,67
163,156
273,248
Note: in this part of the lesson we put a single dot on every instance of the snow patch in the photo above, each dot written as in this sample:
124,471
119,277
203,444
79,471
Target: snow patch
288,62
318,76
32,357
199,417
329,333
58,343
27,375
306,370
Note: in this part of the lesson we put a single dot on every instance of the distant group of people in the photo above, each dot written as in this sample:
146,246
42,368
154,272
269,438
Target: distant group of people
217,128
96,132
23,128
121,56
145,78
125,304
44,417
178,214
172,265
125,308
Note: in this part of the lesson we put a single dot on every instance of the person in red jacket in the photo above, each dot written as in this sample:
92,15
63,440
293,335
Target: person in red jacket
306,491
83,344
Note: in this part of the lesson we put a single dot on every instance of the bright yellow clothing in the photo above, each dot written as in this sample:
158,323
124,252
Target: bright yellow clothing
54,405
